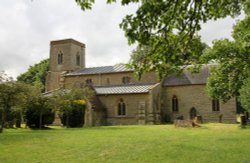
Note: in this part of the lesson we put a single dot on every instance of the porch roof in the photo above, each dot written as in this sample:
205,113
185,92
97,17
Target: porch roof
124,89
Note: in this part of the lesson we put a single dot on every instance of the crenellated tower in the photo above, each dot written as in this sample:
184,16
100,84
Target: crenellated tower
65,56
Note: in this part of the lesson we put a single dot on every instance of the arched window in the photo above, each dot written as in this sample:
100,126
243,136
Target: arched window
215,105
175,107
121,108
89,82
60,58
78,61
126,80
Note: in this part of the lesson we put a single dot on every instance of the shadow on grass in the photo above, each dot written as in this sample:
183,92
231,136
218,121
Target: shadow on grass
244,127
43,128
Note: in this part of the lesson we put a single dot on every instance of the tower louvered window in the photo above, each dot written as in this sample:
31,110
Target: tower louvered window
78,61
60,58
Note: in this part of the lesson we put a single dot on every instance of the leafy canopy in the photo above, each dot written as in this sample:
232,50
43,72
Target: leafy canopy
245,95
166,34
12,96
233,58
36,75
168,28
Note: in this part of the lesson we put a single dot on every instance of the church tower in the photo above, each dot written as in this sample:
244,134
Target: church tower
65,56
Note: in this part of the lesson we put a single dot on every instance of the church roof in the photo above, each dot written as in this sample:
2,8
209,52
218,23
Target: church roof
124,89
101,70
188,78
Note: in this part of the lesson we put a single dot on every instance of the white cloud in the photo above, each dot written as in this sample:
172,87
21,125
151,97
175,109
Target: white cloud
28,26
219,29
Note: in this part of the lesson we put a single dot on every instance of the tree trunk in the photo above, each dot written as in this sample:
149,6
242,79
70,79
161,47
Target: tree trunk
40,119
2,122
67,120
1,128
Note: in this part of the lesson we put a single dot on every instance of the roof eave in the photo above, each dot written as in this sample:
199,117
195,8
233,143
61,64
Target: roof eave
97,73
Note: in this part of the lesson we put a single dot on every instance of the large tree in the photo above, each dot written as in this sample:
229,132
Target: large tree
233,58
36,74
39,110
245,95
12,94
141,62
65,100
168,27
165,32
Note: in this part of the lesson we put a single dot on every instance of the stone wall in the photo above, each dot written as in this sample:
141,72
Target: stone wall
52,81
195,96
154,109
70,49
109,79
133,103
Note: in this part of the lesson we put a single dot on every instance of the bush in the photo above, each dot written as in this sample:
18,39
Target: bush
33,111
72,113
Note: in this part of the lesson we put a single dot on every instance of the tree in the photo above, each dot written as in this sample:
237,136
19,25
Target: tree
36,75
11,95
72,113
233,58
39,111
245,94
67,101
168,27
141,62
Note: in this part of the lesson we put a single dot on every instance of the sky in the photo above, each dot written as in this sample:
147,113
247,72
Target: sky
28,26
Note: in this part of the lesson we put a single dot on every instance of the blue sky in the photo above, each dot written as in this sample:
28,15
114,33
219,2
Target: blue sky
28,26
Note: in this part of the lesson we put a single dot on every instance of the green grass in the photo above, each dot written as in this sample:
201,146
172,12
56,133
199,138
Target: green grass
158,143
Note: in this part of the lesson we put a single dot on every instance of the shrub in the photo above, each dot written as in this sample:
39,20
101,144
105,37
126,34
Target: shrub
33,112
72,113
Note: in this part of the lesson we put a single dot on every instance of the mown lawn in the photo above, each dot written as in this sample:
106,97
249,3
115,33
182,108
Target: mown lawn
158,143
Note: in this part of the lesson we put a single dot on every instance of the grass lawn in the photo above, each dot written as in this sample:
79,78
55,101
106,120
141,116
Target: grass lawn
158,143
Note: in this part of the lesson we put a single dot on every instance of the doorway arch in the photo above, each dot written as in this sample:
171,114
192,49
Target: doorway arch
193,113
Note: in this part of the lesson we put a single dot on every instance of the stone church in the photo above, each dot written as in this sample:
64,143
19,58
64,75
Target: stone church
121,99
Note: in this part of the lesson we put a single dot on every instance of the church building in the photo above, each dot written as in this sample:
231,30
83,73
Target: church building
121,99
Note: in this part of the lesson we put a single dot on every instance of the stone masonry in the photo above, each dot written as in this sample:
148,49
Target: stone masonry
149,102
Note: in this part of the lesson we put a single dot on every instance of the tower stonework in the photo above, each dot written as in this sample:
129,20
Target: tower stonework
65,56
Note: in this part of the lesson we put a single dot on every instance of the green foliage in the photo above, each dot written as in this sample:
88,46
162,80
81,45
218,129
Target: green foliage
245,95
12,95
233,58
72,104
166,60
74,94
169,28
72,114
39,110
36,75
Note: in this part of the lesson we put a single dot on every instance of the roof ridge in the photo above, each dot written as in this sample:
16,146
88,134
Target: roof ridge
105,66
124,85
101,70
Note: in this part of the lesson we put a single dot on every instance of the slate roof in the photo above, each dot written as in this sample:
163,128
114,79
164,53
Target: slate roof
187,78
124,89
100,70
